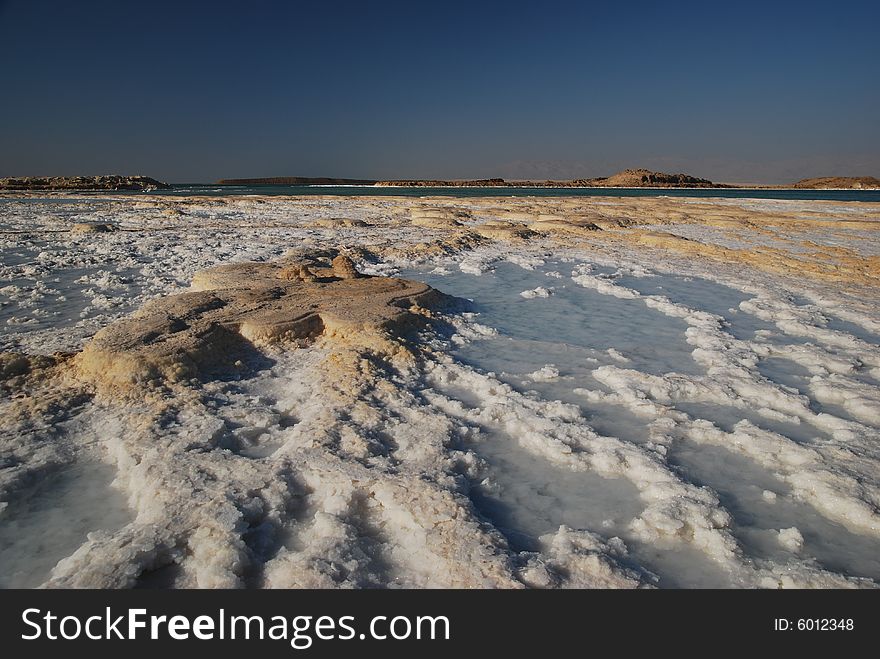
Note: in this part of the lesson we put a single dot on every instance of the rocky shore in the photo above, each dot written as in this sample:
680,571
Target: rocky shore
107,182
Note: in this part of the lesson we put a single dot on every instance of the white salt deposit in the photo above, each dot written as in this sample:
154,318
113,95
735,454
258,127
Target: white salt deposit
539,291
638,423
791,539
544,374
820,489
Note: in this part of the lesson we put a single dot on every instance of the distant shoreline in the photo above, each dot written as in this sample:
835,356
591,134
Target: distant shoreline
196,191
626,179
768,188
515,186
629,179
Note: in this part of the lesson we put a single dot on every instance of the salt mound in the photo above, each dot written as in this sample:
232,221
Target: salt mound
93,227
438,218
337,222
501,230
234,308
550,223
15,365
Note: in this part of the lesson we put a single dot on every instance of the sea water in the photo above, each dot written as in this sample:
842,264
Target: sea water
465,192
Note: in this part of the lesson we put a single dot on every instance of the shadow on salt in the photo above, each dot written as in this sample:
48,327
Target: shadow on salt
702,295
528,497
841,325
727,416
741,485
50,521
789,373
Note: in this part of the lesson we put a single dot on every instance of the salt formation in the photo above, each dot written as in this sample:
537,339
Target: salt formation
692,402
221,518
539,291
234,308
89,227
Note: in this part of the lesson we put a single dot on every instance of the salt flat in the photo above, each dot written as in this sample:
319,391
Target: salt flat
629,392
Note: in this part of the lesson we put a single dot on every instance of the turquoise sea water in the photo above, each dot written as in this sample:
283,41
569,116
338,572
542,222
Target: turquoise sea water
221,190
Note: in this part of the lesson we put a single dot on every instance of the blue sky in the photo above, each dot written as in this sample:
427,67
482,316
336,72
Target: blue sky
748,92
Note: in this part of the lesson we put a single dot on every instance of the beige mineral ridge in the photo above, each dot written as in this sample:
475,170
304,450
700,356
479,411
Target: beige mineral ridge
337,223
93,227
438,218
575,222
233,309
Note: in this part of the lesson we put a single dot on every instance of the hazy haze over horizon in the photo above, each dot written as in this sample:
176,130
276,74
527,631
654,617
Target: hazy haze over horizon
746,92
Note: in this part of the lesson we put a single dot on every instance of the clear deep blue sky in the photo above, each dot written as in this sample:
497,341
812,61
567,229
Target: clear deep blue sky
734,91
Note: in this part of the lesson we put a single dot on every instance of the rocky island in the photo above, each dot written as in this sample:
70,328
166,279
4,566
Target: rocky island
644,178
629,178
839,183
106,182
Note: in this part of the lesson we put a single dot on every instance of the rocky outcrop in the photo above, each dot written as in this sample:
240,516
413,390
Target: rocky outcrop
839,183
644,178
108,182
